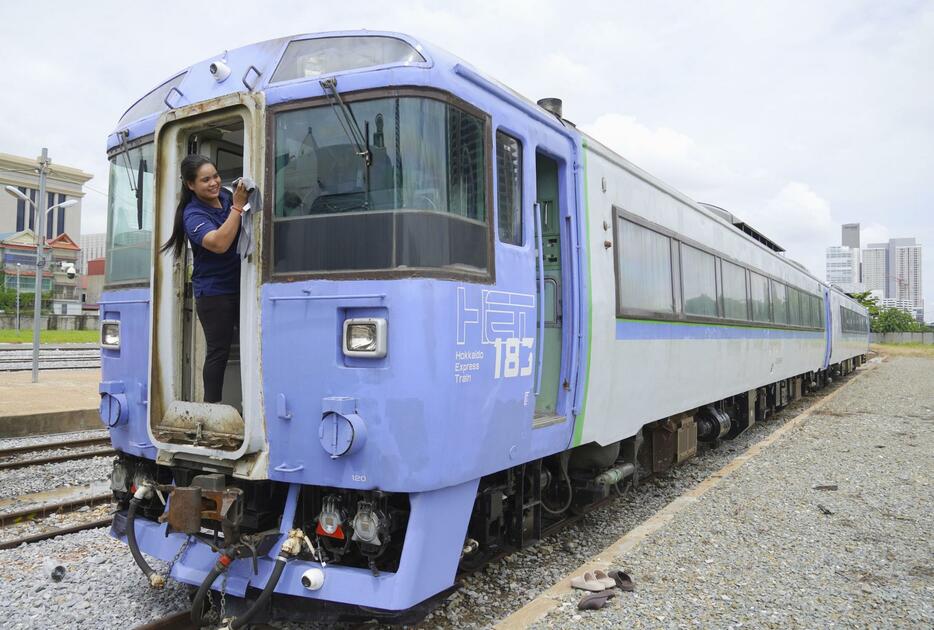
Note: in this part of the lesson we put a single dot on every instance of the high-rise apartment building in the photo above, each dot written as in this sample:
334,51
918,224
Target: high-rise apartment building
874,268
894,268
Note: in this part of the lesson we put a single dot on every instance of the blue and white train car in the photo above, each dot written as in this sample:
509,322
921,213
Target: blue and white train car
460,319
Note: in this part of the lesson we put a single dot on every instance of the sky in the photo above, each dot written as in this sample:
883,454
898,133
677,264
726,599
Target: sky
795,116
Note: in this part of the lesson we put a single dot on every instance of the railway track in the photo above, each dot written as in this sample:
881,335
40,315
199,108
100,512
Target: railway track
31,507
12,458
173,621
61,358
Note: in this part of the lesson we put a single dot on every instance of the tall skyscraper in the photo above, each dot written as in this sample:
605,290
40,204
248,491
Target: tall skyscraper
894,269
850,235
843,268
874,268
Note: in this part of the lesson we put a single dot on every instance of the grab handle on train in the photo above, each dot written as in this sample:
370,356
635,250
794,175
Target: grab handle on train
540,333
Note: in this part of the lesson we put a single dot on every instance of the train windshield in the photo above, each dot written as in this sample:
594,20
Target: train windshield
411,194
129,222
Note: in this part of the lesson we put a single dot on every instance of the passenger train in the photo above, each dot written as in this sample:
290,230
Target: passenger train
462,319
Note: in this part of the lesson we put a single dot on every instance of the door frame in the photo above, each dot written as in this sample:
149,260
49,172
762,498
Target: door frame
165,376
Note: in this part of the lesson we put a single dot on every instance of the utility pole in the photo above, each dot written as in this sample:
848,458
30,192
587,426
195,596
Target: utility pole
41,209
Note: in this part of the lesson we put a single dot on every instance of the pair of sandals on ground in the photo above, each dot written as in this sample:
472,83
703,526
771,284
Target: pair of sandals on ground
601,585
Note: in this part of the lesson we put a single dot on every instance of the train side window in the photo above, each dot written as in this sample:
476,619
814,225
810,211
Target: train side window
779,303
698,282
643,269
509,188
820,312
759,290
794,315
735,302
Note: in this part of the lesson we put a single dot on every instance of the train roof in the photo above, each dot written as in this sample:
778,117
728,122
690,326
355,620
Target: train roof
275,63
259,66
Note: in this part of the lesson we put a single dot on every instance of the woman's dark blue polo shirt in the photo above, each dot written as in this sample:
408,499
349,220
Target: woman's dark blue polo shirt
214,274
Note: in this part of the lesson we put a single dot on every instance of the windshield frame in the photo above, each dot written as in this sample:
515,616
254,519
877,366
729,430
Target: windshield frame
487,276
116,152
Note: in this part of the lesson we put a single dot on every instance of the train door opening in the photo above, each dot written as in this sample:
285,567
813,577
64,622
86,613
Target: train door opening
178,414
222,143
547,204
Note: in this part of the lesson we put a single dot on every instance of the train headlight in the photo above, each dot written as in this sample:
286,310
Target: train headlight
331,518
110,334
365,337
368,524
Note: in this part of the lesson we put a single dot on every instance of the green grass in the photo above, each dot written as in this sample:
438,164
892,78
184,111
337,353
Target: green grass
50,336
905,349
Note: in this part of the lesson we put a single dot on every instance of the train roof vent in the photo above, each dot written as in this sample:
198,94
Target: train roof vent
553,105
744,227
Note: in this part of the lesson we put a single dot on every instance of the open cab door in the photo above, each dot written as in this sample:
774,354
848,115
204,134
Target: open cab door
228,130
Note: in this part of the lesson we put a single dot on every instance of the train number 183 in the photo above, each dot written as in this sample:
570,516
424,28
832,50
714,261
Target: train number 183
508,357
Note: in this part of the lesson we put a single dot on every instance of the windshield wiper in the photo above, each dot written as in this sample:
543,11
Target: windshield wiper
360,139
139,193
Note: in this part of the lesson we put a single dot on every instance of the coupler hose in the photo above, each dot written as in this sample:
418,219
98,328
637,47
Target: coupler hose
291,547
197,604
155,580
263,598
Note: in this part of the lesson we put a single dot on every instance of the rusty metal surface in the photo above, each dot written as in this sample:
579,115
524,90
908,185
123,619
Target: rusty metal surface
201,424
687,438
184,513
190,505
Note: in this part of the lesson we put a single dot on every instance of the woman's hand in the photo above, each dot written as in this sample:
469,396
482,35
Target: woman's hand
240,196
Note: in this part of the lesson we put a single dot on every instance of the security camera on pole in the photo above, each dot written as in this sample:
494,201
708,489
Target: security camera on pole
41,210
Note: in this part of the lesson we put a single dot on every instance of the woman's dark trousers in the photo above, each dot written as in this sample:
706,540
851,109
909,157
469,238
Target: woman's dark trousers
219,315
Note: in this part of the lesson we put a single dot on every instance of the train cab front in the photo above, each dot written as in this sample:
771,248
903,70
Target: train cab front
375,357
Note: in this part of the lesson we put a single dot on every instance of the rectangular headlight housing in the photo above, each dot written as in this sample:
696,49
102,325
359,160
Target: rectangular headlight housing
364,337
110,334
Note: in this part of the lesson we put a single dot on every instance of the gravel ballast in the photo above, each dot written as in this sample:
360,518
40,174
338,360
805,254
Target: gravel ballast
828,527
104,589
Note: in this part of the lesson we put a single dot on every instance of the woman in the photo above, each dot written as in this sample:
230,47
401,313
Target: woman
210,217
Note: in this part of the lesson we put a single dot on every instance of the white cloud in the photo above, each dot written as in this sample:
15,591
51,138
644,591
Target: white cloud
800,220
757,107
664,152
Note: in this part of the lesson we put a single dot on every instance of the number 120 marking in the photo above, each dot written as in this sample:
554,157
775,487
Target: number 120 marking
507,357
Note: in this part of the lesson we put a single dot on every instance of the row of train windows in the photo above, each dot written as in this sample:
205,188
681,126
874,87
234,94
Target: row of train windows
658,276
853,322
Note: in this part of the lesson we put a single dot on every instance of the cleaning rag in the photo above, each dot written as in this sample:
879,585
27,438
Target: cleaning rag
255,200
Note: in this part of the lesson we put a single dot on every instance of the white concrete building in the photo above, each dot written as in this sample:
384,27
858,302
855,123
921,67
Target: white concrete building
62,183
93,246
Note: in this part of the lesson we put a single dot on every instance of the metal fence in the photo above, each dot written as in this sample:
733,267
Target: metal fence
903,337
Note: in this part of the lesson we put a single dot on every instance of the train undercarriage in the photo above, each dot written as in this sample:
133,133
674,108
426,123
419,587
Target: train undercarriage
513,509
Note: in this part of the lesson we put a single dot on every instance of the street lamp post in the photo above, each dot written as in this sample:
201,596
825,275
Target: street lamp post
41,211
18,265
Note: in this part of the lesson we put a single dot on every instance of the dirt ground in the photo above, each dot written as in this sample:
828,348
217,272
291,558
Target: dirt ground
904,349
57,390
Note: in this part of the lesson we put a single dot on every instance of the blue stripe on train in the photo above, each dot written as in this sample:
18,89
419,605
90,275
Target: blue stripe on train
629,330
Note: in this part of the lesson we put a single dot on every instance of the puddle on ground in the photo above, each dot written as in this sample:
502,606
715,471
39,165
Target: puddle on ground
55,495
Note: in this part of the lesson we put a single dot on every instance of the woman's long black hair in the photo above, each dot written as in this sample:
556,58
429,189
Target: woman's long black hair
190,166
